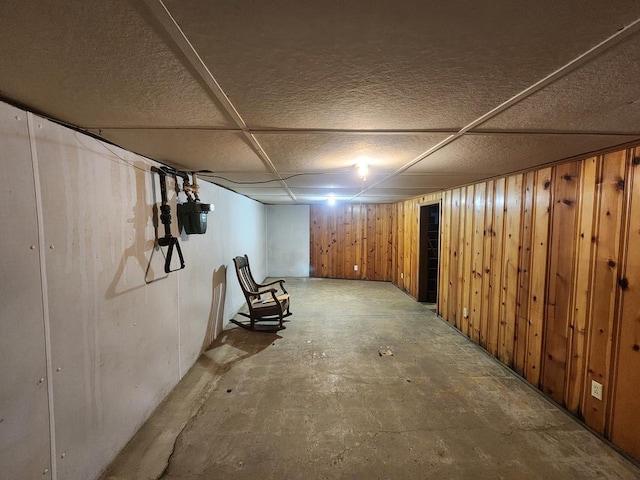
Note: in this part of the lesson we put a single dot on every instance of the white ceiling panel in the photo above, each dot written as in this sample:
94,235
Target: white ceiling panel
382,64
251,191
428,181
273,199
215,150
602,96
489,155
238,180
325,192
338,153
347,179
299,90
400,192
379,199
98,64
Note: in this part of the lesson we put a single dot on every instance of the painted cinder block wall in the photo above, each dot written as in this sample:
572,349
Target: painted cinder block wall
88,349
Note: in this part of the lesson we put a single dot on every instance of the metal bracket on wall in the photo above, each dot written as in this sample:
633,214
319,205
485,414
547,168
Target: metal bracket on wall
168,240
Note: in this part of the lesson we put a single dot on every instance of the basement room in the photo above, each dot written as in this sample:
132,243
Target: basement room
320,240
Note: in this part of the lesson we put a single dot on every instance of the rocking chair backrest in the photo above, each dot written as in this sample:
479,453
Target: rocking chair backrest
245,278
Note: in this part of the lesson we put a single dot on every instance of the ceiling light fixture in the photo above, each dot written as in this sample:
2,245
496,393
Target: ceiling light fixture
363,169
331,200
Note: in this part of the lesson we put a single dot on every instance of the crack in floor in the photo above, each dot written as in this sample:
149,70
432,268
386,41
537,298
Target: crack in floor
198,411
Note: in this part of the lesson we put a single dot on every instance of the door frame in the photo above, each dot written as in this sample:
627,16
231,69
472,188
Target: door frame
427,204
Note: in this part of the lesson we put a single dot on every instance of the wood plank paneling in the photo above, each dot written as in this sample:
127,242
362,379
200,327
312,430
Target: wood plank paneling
605,278
524,265
626,421
560,277
359,243
546,263
465,264
538,274
581,302
487,268
445,248
454,286
497,252
477,253
510,269
408,260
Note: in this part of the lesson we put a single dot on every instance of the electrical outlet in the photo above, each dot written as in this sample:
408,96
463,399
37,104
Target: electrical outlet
465,312
401,275
596,390
355,268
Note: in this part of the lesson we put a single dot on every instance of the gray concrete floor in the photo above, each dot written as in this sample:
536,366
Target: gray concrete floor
317,401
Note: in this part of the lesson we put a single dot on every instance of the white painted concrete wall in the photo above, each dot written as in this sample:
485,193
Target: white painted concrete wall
288,240
75,310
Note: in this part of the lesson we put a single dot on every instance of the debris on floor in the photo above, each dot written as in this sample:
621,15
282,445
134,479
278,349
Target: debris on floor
385,352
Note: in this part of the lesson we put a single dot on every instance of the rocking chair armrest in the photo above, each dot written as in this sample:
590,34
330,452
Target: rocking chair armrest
263,292
280,281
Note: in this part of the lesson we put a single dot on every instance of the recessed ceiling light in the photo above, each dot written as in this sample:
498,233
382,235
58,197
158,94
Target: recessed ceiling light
363,170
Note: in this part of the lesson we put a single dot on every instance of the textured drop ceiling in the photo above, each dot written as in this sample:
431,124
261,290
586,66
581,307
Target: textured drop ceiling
279,99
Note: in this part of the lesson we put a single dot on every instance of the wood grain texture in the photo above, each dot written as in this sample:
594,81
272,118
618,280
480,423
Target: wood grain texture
510,270
605,279
584,272
465,264
524,265
546,263
487,267
497,265
560,277
538,274
452,277
625,419
445,247
477,253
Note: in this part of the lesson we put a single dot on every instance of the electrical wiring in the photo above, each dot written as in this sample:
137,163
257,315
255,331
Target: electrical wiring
114,153
212,175
80,134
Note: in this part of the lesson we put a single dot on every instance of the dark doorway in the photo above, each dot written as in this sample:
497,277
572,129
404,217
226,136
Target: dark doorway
429,253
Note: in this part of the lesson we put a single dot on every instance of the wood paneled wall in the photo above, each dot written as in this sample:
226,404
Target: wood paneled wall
344,236
382,240
544,263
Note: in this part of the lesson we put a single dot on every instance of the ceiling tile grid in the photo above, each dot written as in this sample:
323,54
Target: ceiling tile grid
98,64
386,65
501,154
280,99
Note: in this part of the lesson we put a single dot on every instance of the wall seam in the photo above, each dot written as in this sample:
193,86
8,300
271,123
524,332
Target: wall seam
267,238
45,295
179,321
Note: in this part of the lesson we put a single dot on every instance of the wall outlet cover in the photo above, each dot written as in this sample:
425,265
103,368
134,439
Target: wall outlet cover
355,268
596,390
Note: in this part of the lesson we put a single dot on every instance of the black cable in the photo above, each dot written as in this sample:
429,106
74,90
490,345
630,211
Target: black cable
211,175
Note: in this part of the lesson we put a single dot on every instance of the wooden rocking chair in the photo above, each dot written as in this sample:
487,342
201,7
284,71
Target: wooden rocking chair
265,304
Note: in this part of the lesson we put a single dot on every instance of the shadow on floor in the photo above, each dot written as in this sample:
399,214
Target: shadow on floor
234,345
147,454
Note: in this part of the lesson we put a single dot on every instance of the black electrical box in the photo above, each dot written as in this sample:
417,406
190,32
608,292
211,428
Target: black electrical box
192,216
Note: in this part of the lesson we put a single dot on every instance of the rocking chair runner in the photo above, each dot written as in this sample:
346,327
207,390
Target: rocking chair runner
265,304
